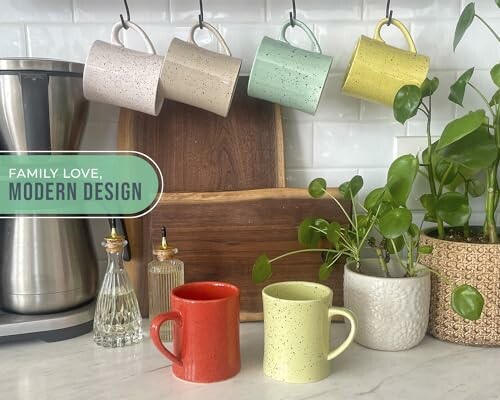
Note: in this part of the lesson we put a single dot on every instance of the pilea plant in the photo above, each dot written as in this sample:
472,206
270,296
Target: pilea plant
464,162
382,223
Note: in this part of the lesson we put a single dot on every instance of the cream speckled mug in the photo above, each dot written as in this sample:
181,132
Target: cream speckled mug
200,77
124,77
297,323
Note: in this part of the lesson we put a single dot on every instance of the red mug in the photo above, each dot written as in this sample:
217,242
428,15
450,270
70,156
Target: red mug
206,335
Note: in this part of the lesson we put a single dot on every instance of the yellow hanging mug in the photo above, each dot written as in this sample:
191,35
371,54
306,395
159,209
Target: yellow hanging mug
377,70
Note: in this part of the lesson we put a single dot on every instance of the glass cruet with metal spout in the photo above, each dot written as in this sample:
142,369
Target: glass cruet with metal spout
117,319
164,274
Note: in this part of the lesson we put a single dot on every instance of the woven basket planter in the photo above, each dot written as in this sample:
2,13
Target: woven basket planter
477,265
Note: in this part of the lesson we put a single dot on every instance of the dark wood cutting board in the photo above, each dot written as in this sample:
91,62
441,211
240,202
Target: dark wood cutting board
219,236
199,151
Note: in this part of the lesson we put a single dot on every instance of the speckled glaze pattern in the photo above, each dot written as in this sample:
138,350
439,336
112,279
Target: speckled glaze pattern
200,77
288,75
377,70
393,313
477,265
123,77
297,323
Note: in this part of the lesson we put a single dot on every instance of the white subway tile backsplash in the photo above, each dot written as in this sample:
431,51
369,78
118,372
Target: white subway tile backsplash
484,8
298,144
355,145
477,48
419,127
314,10
218,10
334,177
12,41
16,11
68,42
432,9
244,39
109,11
339,40
372,178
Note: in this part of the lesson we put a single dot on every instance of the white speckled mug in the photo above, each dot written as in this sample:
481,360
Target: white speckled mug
200,77
297,323
124,77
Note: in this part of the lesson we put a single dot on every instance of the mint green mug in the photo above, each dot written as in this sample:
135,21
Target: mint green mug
288,75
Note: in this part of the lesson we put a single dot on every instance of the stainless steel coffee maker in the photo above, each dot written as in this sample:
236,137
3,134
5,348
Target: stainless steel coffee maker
46,265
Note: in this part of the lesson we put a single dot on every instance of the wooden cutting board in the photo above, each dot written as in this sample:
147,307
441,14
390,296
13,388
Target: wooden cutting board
219,236
199,151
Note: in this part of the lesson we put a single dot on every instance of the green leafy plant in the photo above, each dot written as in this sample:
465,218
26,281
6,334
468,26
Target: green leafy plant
383,223
464,162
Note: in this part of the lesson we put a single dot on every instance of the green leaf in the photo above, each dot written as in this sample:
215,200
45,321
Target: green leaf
495,99
461,127
446,171
261,269
457,90
322,224
453,208
324,272
425,249
317,188
429,86
400,178
477,150
429,201
476,188
498,3
399,242
495,74
351,188
333,234
467,302
414,230
373,199
406,103
395,223
463,23
307,235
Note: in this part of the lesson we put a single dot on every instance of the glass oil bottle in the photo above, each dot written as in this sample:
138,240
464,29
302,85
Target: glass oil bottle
117,319
164,274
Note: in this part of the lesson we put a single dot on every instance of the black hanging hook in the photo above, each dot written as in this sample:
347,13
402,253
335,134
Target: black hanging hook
293,14
200,15
388,13
124,24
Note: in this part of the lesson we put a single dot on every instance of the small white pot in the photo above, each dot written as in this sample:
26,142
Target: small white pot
393,313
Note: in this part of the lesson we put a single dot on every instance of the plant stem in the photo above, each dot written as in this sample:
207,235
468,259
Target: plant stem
488,26
381,261
483,98
303,251
341,207
466,225
430,171
491,183
397,255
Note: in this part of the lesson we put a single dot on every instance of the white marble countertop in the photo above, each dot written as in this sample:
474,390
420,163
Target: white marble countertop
78,369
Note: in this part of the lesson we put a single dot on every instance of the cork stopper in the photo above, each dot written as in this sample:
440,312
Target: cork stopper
114,242
164,251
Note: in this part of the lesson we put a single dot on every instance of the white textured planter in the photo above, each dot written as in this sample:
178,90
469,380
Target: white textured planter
392,313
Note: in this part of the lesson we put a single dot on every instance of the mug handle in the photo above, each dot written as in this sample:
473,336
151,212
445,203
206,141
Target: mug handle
154,332
214,31
305,28
398,24
332,311
115,35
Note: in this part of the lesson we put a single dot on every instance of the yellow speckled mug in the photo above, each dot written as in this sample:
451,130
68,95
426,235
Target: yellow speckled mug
297,323
377,70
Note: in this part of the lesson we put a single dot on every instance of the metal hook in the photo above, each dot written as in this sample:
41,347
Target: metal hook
293,14
388,14
125,25
200,15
